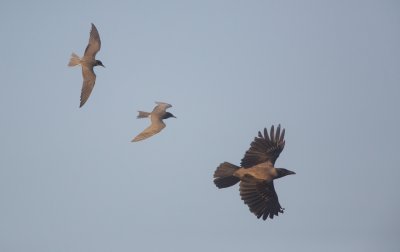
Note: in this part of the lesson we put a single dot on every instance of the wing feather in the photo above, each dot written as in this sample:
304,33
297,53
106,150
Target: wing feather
94,43
261,198
278,133
272,133
89,79
282,135
153,129
265,148
161,108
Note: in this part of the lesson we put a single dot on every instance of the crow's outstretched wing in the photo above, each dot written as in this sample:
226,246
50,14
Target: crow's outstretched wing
261,199
265,148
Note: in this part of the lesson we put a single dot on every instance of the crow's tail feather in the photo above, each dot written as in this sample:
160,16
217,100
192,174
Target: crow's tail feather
223,176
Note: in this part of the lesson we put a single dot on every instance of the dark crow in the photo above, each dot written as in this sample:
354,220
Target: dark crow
257,174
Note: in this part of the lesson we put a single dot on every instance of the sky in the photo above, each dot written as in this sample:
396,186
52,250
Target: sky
327,71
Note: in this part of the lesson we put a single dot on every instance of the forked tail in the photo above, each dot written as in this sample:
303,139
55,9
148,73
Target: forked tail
143,114
75,60
223,176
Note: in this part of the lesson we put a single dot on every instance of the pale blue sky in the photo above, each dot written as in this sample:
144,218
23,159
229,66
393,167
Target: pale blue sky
71,180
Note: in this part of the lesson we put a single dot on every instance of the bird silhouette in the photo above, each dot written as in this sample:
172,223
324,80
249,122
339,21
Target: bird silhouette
157,116
257,174
88,61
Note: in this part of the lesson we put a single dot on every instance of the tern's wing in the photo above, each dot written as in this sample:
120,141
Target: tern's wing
94,43
153,129
89,79
161,108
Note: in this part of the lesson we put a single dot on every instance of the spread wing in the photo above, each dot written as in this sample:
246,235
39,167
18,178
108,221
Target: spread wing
161,108
154,128
89,79
265,148
261,199
94,43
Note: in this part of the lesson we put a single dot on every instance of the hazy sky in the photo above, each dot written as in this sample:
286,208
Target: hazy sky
71,180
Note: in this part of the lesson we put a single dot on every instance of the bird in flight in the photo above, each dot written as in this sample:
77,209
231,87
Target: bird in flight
88,61
257,174
157,116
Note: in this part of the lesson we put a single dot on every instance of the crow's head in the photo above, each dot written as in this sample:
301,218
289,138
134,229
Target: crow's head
282,172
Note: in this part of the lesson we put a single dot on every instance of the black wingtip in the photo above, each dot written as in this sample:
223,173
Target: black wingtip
81,104
282,138
278,133
266,135
272,134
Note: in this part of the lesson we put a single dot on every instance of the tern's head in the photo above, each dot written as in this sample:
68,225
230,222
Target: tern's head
99,63
168,115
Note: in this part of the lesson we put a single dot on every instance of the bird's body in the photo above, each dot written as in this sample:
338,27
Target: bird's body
257,174
157,116
88,62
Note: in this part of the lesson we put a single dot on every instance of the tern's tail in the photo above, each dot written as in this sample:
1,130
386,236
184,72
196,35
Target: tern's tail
143,114
75,60
223,176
